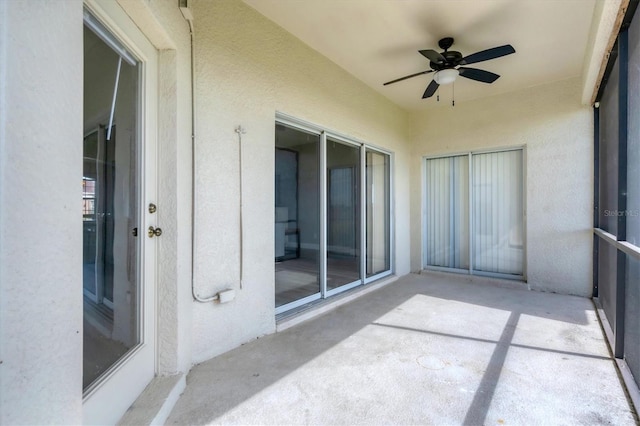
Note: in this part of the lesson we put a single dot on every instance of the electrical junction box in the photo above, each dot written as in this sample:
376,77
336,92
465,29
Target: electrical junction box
226,295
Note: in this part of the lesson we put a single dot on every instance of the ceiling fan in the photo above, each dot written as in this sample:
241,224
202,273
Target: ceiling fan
447,65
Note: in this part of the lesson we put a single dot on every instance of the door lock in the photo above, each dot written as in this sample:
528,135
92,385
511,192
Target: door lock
134,232
152,208
154,232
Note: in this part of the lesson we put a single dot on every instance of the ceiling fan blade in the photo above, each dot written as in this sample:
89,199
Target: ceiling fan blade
478,75
431,89
485,55
407,76
433,56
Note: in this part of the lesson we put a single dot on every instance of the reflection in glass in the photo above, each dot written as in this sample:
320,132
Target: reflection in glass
109,207
297,220
343,214
378,233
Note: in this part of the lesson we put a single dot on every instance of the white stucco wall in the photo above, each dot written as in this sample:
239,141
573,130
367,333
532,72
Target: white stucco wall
558,134
167,30
175,168
41,129
40,216
174,181
247,69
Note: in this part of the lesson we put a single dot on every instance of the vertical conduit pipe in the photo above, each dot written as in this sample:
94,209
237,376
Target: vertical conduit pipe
193,170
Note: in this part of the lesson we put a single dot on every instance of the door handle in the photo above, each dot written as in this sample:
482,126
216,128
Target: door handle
154,232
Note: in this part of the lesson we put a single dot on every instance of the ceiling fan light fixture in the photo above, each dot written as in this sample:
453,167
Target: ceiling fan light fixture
446,76
448,65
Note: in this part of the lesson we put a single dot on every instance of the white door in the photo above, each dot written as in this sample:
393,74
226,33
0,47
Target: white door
119,185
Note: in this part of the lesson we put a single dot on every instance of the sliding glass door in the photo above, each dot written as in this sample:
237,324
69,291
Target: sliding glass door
297,218
343,214
498,230
474,213
332,214
447,211
378,213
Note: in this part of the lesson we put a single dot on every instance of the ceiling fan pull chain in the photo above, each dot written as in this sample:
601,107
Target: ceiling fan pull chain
453,94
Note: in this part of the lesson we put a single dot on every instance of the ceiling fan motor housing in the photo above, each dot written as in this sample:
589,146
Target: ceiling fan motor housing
452,59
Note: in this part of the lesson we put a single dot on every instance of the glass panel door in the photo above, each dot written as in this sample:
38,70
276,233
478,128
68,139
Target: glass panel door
119,182
110,207
92,270
378,213
297,215
498,212
484,234
343,214
324,186
447,209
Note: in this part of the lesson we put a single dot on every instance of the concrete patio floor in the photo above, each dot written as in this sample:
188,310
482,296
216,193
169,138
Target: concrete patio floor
426,349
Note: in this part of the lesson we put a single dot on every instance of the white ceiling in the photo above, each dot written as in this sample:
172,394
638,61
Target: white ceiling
378,40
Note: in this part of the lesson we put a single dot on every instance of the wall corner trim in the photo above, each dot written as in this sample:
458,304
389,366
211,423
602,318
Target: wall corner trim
607,20
140,13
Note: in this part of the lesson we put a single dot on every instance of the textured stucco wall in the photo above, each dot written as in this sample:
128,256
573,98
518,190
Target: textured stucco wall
163,24
41,122
169,32
247,69
558,134
40,216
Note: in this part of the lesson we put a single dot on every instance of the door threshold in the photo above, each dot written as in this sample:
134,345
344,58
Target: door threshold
155,403
311,310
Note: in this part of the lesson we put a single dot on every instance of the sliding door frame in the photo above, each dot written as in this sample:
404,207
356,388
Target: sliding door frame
322,188
325,134
391,215
325,216
470,270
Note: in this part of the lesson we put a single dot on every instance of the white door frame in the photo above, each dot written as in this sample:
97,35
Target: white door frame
110,396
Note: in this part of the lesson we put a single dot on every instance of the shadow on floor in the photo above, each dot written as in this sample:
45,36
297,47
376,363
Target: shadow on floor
426,349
